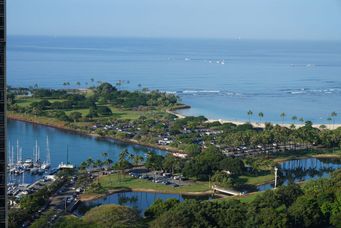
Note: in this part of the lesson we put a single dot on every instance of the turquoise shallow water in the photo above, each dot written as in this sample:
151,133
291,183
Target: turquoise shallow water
221,79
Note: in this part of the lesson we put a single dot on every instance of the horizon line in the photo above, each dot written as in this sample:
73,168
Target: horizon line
172,37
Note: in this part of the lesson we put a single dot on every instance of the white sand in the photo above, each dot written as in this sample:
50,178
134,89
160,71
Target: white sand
260,124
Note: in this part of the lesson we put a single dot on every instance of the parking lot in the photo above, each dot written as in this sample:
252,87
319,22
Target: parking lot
160,177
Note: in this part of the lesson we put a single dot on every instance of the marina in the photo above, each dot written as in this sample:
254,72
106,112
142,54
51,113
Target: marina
36,153
17,166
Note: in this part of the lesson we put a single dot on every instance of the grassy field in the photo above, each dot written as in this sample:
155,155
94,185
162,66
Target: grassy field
24,102
84,111
257,180
248,198
116,181
117,112
126,114
309,153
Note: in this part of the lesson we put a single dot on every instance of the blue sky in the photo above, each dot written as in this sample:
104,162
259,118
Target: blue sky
249,19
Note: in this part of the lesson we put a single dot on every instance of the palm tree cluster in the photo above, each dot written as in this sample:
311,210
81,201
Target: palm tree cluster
331,118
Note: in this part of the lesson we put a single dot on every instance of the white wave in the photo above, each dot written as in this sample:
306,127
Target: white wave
314,91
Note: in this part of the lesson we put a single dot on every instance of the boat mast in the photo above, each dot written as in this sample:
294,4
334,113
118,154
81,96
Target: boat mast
36,153
48,155
10,162
12,151
67,154
18,152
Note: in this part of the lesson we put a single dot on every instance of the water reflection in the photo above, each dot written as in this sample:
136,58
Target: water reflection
138,200
304,169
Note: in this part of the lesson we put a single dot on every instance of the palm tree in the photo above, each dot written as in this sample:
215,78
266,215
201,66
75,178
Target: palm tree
119,83
78,83
105,154
329,119
89,162
123,155
301,120
98,163
294,118
249,113
261,115
83,165
131,157
137,159
333,115
282,116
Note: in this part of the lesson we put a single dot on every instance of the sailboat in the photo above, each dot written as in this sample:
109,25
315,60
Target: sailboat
36,160
62,165
47,164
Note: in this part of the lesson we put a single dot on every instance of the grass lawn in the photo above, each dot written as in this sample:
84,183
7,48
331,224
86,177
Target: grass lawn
257,180
248,198
116,112
24,102
310,153
116,181
126,114
84,111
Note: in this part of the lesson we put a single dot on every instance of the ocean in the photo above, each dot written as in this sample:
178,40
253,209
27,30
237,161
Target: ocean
221,79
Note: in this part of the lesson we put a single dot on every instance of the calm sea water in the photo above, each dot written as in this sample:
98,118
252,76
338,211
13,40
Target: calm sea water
220,79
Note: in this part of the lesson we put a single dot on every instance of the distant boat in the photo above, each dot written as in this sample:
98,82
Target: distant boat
41,171
28,163
34,171
45,166
66,165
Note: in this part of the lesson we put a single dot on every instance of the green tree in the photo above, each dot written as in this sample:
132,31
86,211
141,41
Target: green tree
260,115
113,216
305,212
159,207
294,119
333,115
249,114
75,116
282,117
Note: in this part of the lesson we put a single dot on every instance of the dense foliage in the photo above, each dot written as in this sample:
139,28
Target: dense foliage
317,204
31,203
105,216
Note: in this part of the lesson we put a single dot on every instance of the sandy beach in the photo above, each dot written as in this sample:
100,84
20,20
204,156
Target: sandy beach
260,124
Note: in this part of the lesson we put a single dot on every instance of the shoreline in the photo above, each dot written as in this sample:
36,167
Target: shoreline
76,131
254,124
62,127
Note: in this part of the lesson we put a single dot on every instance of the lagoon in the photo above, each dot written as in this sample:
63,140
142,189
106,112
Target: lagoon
138,200
299,170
